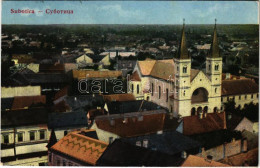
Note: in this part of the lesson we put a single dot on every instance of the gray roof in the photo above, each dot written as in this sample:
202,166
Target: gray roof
170,142
67,119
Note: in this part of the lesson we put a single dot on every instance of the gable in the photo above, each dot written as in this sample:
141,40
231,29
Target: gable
200,77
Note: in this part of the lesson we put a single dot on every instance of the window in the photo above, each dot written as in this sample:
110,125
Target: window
63,162
209,67
184,69
221,99
252,96
138,143
239,97
227,98
132,86
177,68
145,143
42,134
216,67
184,93
159,92
216,90
65,133
137,90
6,138
58,162
32,135
20,137
167,94
171,108
257,95
245,96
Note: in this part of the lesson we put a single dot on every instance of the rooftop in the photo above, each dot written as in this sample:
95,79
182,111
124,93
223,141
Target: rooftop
80,147
196,161
238,87
119,97
83,74
21,102
212,122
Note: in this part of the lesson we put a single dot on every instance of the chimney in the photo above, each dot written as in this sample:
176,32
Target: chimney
227,75
184,154
200,115
112,122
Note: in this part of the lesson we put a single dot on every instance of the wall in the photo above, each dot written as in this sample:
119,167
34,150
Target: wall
7,92
103,135
241,99
33,67
225,150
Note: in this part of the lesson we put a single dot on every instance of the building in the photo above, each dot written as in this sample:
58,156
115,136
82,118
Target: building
78,148
242,91
195,161
24,136
174,85
121,153
8,92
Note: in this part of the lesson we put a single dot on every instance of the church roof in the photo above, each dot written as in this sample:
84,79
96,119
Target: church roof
162,69
146,66
80,147
238,87
214,49
135,77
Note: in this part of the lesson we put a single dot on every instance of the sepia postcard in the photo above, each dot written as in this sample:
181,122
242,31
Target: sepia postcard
129,83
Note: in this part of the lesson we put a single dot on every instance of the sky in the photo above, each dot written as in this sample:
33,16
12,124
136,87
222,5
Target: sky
133,12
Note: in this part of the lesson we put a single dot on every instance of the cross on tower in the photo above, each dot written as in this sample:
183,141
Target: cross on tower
215,21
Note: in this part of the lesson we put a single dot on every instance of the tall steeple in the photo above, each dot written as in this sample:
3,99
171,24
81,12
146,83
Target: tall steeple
214,49
183,51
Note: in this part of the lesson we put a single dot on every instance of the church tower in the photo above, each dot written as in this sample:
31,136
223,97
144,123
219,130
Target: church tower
182,69
214,67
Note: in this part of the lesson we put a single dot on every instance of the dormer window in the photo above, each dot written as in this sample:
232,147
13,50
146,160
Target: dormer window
184,70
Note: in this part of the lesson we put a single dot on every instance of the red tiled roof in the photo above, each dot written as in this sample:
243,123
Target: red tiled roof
51,68
128,126
240,86
119,97
251,157
163,69
135,77
21,102
83,74
212,122
196,161
81,147
63,92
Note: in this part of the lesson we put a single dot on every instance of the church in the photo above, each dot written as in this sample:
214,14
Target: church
174,85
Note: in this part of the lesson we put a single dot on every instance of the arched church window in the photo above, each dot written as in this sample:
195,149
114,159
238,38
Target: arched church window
216,90
152,89
184,70
216,67
132,87
137,89
209,67
177,68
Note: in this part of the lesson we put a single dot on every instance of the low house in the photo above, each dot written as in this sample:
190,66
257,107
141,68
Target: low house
220,144
121,153
24,135
9,92
51,68
169,142
195,161
242,91
119,98
110,127
78,148
249,158
198,124
63,123
249,125
25,102
113,54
